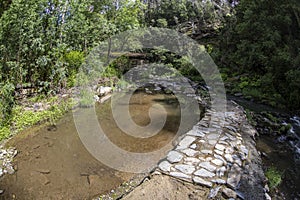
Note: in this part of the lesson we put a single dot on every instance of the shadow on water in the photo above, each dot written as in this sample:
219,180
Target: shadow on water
54,164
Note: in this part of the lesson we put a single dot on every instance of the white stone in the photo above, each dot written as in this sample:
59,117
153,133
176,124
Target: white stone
229,150
220,147
213,136
212,142
174,156
186,142
195,132
180,175
189,152
192,160
218,181
228,157
193,146
217,162
187,169
208,166
218,152
204,173
205,151
221,171
200,181
165,166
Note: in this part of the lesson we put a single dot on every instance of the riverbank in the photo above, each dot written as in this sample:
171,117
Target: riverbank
217,162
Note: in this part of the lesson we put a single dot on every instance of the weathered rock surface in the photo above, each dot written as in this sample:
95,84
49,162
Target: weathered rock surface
219,150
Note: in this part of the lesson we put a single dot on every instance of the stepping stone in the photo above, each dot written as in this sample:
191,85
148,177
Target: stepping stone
220,147
165,166
219,181
201,181
217,162
180,175
213,136
189,152
218,152
208,166
174,157
187,169
228,157
191,160
185,142
204,173
195,132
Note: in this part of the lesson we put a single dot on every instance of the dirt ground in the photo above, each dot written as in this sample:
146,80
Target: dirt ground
163,187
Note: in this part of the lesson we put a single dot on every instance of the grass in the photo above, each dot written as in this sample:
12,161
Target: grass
274,177
22,119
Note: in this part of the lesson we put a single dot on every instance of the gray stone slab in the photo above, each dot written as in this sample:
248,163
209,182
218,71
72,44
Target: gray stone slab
189,152
165,166
201,181
186,142
186,169
174,157
180,175
204,173
207,166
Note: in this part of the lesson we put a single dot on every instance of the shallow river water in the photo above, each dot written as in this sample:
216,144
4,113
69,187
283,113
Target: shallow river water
52,163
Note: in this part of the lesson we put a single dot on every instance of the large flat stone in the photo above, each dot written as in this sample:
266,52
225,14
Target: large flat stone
174,157
165,166
201,181
196,132
186,142
207,166
204,173
187,169
180,175
189,152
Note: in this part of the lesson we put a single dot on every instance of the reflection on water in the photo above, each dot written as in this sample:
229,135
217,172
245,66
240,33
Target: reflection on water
140,103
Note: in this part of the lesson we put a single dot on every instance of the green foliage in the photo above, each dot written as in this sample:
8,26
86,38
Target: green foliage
22,118
6,102
263,40
274,177
86,99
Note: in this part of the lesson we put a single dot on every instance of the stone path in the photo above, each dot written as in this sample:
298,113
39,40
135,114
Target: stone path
212,154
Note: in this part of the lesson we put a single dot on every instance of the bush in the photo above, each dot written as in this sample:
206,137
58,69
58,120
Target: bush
6,102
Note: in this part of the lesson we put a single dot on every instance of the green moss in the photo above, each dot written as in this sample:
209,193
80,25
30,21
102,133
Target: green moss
274,177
